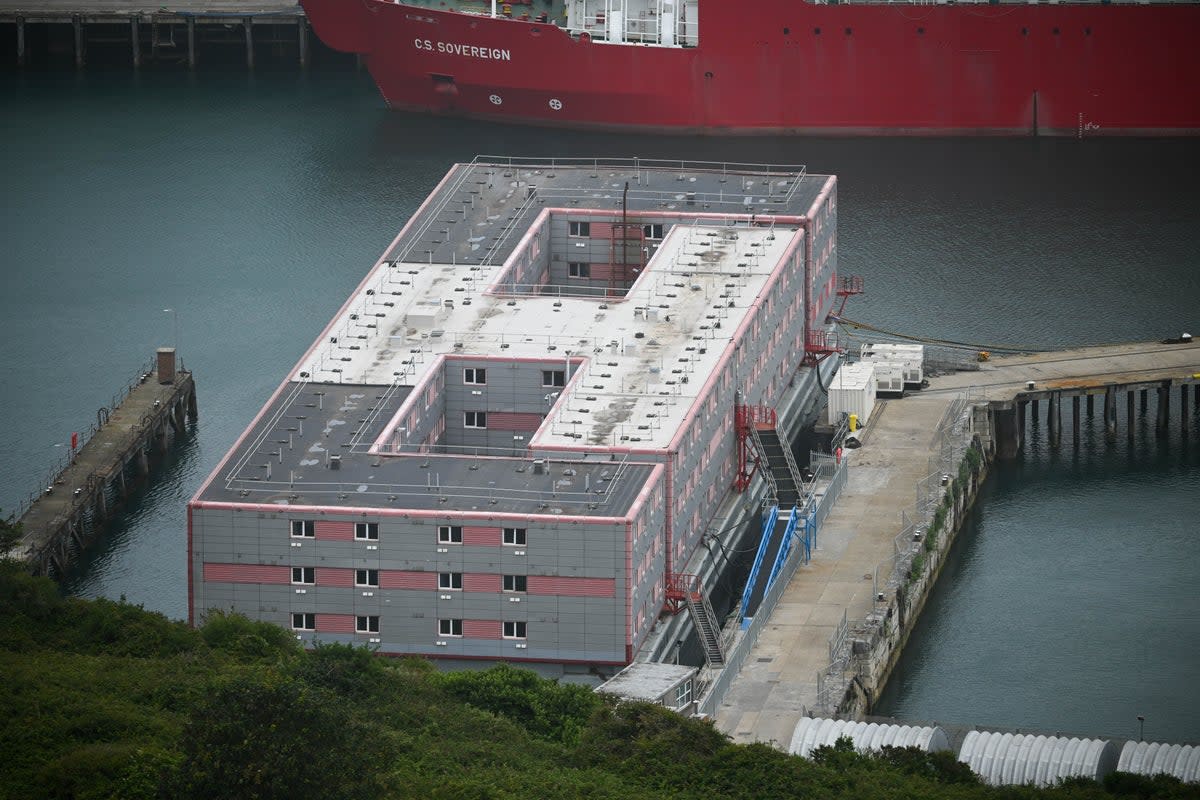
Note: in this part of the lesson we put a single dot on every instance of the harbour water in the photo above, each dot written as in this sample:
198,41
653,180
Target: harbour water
250,206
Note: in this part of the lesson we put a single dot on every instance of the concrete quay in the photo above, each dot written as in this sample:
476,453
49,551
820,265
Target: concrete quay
840,610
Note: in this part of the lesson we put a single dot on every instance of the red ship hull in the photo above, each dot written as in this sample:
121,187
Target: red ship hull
793,67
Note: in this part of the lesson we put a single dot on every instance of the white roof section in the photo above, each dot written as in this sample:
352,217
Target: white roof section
646,680
854,375
647,355
1152,758
813,732
1018,758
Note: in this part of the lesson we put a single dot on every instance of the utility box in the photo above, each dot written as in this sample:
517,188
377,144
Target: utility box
910,356
852,391
166,365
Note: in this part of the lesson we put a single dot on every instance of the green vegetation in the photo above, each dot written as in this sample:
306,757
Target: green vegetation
105,701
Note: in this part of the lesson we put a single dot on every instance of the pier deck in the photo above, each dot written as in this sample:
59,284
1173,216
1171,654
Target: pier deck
79,500
778,684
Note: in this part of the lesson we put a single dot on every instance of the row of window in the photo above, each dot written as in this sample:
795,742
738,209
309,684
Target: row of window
307,621
576,228
452,581
307,529
477,376
369,531
453,534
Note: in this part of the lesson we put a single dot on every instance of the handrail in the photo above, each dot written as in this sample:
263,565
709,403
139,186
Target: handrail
767,530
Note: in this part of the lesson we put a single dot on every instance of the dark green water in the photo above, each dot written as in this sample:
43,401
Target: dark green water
253,205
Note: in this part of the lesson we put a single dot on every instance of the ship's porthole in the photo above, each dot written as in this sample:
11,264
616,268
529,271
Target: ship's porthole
1056,31
1087,31
817,31
787,31
556,104
1024,31
849,31
708,74
921,31
496,99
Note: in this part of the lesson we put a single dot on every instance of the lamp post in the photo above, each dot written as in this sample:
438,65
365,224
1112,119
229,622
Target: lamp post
174,327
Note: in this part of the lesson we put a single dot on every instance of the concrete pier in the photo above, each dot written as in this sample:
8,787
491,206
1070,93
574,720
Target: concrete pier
73,508
833,622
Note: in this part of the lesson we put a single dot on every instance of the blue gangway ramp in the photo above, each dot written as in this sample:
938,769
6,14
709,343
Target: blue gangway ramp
774,532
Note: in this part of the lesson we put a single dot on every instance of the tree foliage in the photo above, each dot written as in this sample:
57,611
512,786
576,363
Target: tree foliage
105,701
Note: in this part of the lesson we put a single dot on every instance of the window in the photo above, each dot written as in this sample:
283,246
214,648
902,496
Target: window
450,534
514,536
305,528
475,376
683,694
554,377
366,624
654,231
366,530
449,580
304,575
474,419
304,622
580,229
514,630
576,269
450,627
366,577
515,583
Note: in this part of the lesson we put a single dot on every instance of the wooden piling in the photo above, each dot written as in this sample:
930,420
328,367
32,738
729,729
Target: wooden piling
302,38
1184,416
1110,412
249,43
20,41
1075,419
77,24
1130,414
1144,392
1054,418
1090,398
135,42
1021,422
191,37
1033,412
1164,410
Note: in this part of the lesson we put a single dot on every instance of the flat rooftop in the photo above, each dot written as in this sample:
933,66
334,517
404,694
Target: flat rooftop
439,290
285,460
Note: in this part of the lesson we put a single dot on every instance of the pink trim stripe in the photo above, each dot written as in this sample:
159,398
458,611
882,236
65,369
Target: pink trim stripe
481,536
514,421
481,582
335,623
405,579
483,629
335,530
246,573
572,587
335,576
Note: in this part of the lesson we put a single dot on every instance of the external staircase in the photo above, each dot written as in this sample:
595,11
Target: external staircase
688,590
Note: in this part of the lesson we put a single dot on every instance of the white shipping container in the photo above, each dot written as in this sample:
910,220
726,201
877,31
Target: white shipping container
852,391
912,356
